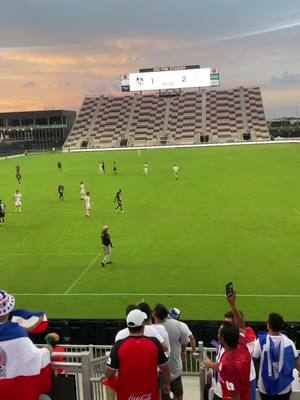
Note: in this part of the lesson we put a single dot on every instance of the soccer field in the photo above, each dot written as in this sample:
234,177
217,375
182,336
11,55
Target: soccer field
233,215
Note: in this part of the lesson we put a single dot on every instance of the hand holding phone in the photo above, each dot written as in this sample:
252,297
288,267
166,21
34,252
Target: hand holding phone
229,289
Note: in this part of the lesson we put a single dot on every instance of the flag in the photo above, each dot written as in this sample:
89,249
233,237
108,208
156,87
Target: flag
25,370
33,322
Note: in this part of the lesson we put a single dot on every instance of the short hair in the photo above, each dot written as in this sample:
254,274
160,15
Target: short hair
230,333
275,322
130,307
161,312
145,308
229,314
135,329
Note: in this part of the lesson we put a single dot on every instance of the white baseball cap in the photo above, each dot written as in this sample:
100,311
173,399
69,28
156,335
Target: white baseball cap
135,318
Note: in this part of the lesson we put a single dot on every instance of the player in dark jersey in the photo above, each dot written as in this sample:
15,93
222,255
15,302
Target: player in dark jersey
115,168
18,168
2,212
103,167
18,176
118,200
59,166
61,190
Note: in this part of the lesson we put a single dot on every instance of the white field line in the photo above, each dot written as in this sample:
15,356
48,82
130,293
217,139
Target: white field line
82,274
151,294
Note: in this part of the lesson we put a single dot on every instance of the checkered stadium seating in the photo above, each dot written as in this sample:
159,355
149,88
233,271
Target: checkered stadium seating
188,118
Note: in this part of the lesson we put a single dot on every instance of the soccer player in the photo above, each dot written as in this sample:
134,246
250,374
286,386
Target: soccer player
61,190
59,166
146,169
115,168
119,200
18,176
18,168
2,212
175,171
107,245
103,167
18,201
87,204
82,191
101,172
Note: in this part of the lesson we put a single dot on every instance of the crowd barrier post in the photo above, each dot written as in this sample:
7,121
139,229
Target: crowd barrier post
201,369
86,375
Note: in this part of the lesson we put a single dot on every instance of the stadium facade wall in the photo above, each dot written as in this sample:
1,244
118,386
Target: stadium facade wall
34,130
188,118
102,332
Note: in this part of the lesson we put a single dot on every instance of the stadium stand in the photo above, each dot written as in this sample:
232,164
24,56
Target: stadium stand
187,118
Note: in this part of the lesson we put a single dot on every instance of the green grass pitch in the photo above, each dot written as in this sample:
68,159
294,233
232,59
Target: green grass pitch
233,215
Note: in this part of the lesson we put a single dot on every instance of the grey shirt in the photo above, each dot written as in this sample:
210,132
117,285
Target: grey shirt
177,337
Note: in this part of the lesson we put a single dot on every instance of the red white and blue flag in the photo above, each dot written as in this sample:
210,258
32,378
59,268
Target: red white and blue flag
33,322
25,370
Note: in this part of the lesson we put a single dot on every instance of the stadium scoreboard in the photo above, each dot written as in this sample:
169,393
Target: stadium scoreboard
190,76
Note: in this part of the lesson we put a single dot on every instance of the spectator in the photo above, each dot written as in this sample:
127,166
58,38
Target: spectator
175,314
149,331
278,357
233,360
25,370
144,307
178,341
136,359
53,340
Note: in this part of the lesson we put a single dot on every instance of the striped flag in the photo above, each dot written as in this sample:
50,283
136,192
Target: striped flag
25,370
33,322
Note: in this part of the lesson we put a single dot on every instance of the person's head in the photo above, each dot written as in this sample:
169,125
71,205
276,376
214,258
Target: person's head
52,338
145,308
275,322
17,191
174,313
81,183
135,321
120,190
7,304
129,308
160,312
228,316
229,335
105,228
87,193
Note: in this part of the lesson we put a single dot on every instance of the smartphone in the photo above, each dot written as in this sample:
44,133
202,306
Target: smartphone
229,289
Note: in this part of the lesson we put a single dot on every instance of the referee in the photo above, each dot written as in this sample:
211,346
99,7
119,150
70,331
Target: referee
107,245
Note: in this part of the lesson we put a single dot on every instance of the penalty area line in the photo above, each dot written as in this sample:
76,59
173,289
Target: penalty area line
82,274
148,294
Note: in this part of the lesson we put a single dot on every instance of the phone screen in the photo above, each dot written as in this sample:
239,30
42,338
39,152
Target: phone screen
229,289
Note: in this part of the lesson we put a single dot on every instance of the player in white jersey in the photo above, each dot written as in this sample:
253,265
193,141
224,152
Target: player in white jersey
18,201
87,204
146,169
82,191
101,170
175,171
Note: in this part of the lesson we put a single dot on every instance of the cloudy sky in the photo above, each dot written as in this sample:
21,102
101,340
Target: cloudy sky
53,52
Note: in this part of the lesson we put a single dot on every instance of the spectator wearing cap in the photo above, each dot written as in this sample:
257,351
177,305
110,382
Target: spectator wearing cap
149,331
174,313
53,339
136,358
278,358
178,342
25,370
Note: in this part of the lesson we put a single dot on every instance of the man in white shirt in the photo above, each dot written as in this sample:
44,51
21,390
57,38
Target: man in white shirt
82,190
18,201
174,313
87,204
175,171
146,169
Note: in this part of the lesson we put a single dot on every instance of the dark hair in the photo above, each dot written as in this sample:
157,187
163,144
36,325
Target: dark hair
129,308
229,314
275,322
161,312
135,329
145,308
230,334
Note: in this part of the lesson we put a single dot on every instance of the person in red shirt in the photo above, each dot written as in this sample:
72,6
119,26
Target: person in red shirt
137,359
234,366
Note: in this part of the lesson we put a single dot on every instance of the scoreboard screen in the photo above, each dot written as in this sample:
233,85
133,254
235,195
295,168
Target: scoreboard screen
171,79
